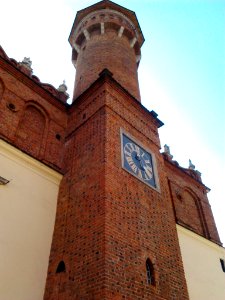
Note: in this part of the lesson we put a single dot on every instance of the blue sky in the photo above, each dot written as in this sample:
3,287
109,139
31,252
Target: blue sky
182,78
187,52
181,73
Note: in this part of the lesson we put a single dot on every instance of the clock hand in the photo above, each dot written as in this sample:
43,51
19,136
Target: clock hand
142,165
138,157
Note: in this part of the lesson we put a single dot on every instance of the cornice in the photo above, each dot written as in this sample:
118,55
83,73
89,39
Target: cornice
208,242
3,139
29,162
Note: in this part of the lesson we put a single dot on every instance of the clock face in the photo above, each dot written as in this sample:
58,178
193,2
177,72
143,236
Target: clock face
138,161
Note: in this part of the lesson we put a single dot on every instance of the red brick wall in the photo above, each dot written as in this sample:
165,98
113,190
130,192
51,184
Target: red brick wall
106,35
79,237
30,117
140,221
1,89
191,205
110,52
108,222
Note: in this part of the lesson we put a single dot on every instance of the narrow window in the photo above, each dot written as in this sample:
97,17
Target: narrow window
150,272
58,136
61,267
222,264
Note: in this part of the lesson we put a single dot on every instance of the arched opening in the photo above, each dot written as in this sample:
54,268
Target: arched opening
31,129
192,204
150,272
61,267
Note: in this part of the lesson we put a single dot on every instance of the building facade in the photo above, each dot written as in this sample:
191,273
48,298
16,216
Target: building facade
90,207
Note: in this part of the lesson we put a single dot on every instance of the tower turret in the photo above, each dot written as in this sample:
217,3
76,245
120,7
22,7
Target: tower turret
106,35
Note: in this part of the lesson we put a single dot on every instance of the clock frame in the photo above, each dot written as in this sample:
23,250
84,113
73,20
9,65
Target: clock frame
138,160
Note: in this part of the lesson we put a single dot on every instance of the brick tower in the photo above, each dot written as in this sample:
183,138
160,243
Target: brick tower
115,234
106,35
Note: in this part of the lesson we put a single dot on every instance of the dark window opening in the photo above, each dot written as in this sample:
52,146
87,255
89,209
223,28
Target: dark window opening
222,264
61,267
150,272
58,136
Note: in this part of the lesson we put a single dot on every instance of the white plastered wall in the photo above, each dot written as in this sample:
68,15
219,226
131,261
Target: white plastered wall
201,260
27,215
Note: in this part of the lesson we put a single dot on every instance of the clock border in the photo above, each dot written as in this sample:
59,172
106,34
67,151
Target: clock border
154,164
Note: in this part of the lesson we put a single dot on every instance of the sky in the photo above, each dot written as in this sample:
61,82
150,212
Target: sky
181,73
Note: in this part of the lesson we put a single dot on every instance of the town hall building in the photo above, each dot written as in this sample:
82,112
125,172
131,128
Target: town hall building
91,207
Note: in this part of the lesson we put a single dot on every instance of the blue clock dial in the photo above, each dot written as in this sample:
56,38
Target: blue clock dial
138,161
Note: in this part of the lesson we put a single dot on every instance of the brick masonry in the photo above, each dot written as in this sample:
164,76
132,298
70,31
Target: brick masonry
31,116
106,35
189,198
108,222
108,234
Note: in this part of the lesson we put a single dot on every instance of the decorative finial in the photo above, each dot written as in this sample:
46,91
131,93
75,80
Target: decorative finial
167,151
25,66
27,62
191,166
62,88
